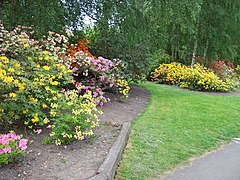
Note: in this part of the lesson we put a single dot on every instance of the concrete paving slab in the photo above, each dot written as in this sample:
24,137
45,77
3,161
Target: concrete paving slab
223,164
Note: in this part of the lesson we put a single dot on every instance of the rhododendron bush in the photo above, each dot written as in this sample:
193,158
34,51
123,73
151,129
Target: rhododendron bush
97,74
50,82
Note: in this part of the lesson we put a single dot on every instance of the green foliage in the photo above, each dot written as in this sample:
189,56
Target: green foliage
133,30
44,15
158,57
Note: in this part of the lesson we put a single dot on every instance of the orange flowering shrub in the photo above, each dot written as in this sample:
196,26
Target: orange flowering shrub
80,46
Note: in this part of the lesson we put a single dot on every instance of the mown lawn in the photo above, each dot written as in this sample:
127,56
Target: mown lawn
175,126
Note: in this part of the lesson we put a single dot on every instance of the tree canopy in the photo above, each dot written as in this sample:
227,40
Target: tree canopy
134,29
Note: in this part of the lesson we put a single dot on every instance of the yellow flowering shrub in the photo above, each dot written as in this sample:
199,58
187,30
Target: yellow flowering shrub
27,88
237,69
32,82
120,78
195,78
75,117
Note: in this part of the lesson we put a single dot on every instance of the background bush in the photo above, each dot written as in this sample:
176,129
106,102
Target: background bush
196,78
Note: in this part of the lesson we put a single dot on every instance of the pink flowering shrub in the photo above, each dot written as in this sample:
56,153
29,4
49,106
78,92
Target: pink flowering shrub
11,147
98,74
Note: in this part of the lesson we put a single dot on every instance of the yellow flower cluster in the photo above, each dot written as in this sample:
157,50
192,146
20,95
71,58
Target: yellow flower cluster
32,83
197,77
237,70
35,118
78,120
123,87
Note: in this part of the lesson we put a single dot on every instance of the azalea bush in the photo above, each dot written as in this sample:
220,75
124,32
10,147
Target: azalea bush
33,79
237,69
224,69
11,147
75,117
195,78
48,82
97,74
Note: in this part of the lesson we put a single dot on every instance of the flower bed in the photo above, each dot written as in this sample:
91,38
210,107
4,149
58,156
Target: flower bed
197,77
42,85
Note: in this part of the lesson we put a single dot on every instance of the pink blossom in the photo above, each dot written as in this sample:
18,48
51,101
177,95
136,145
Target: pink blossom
22,144
7,150
75,69
101,104
38,131
78,83
96,101
111,85
102,78
1,151
87,88
95,94
4,140
13,136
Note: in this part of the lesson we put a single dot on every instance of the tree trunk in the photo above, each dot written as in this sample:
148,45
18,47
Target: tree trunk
194,52
195,45
205,51
175,55
172,54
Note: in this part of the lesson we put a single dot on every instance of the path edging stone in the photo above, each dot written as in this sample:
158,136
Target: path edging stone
109,166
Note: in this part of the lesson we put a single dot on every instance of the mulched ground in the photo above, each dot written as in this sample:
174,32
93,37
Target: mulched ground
80,160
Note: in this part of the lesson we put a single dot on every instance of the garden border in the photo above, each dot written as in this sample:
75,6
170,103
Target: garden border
108,168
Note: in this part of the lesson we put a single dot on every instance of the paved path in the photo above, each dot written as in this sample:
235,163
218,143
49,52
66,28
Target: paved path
223,164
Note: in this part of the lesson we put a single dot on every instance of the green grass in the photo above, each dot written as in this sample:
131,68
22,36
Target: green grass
176,126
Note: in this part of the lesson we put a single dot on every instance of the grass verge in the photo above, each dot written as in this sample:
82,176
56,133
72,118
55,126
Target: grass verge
176,126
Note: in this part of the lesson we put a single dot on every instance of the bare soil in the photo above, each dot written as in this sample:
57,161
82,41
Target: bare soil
81,159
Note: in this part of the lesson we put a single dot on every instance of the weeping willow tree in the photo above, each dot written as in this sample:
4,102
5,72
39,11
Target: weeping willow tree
195,27
120,31
133,29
